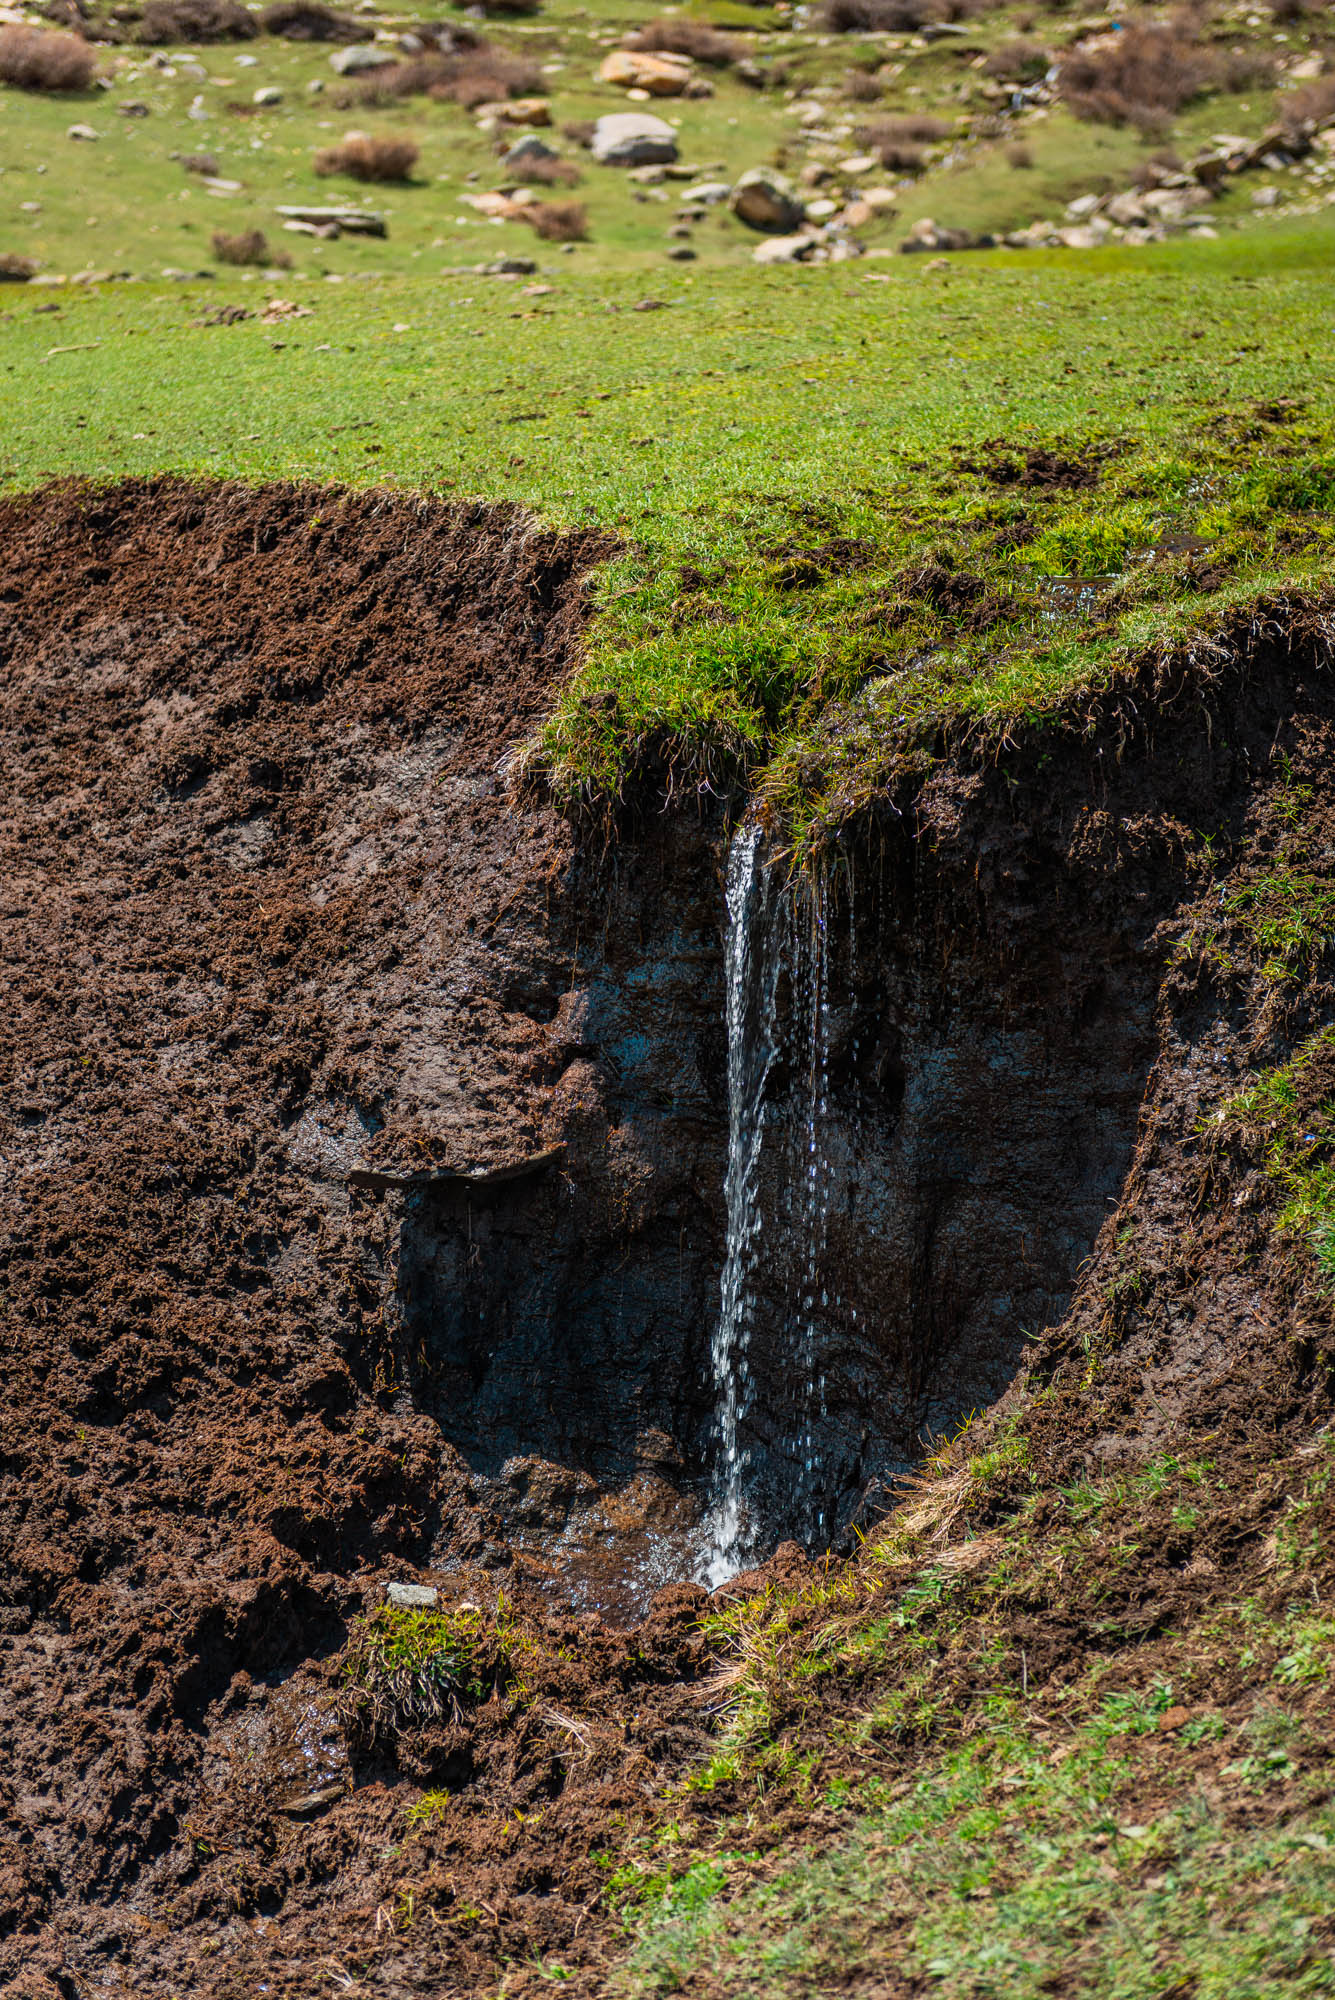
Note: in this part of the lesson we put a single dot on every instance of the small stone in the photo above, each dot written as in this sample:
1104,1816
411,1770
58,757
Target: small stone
785,250
134,109
655,74
708,193
527,149
415,1596
633,139
682,253
1173,1718
763,199
360,56
84,132
267,95
859,163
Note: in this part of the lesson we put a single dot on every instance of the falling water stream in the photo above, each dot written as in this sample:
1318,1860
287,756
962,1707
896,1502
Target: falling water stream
770,929
751,970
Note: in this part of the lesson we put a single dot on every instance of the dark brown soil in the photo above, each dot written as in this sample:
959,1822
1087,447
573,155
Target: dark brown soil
259,874
360,1144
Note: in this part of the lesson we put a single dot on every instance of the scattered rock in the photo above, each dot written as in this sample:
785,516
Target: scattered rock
416,1596
1266,197
84,132
929,235
633,139
682,253
268,94
638,69
529,148
279,311
708,193
763,199
513,111
133,109
785,250
356,221
351,61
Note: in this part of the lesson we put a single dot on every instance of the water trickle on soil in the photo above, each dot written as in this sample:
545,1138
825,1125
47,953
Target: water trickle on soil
771,932
751,974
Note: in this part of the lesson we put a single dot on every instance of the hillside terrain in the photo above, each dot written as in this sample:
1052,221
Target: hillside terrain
400,632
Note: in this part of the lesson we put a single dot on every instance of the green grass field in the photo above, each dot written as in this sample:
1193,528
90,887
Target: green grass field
739,432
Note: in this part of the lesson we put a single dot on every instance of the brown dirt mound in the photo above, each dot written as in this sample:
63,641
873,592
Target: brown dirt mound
250,745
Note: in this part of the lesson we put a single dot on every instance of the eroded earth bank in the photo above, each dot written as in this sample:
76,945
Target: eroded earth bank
363,1150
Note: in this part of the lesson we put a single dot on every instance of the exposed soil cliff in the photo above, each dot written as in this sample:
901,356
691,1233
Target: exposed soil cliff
361,1175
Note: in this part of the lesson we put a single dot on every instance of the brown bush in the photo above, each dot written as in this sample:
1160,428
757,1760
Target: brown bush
1143,78
248,246
893,17
195,21
579,131
1309,108
911,129
483,74
686,38
199,163
40,59
537,172
367,158
1018,62
559,221
860,87
308,21
16,270
1019,156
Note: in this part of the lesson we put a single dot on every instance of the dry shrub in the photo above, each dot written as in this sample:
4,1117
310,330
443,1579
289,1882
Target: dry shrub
860,87
15,270
483,74
1018,62
579,131
893,17
40,59
559,221
308,21
1147,74
248,246
367,158
199,163
1019,156
686,38
537,172
910,129
195,21
1309,108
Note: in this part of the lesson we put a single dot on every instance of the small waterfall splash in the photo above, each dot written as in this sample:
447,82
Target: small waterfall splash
751,965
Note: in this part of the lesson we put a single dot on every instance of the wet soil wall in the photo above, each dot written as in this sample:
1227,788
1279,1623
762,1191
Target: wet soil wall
362,1150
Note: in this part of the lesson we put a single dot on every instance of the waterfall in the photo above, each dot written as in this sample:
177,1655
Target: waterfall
752,962
813,1189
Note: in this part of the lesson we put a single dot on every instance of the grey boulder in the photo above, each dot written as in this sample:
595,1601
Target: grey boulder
633,139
